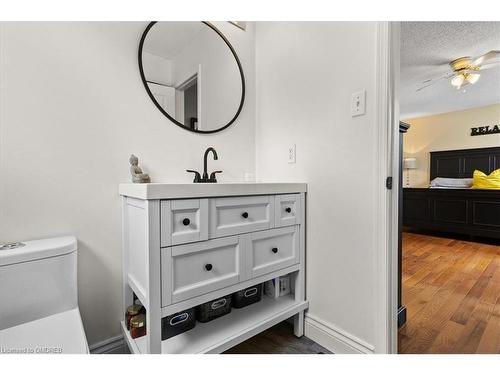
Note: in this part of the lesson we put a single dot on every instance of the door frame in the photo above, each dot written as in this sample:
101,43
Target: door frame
179,96
386,229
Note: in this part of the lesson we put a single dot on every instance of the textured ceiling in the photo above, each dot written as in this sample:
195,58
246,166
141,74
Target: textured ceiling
426,50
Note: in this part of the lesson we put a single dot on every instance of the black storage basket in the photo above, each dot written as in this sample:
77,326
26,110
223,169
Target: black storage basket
247,296
175,324
214,309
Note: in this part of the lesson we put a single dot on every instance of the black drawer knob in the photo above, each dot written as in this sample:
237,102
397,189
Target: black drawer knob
288,209
208,267
274,250
245,215
186,221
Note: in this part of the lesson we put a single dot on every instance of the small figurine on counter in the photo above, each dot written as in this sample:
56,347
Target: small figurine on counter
136,172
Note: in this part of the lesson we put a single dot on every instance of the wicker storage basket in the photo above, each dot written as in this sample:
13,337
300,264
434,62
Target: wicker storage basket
175,324
247,296
214,309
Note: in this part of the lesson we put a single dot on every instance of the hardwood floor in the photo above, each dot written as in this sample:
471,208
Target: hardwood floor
278,340
451,289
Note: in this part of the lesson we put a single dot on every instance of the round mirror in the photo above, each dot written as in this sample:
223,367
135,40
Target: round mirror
192,74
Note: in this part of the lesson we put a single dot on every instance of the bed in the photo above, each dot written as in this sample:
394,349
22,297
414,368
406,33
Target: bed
464,211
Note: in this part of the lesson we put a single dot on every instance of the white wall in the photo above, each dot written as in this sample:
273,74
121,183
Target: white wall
306,73
219,81
156,68
73,108
447,131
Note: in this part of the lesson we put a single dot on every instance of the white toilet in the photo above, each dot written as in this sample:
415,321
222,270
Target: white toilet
38,298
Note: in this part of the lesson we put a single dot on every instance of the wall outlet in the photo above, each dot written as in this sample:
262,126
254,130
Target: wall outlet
358,102
292,153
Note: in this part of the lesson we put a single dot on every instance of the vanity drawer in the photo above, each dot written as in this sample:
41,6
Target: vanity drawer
272,250
191,270
230,216
183,221
287,210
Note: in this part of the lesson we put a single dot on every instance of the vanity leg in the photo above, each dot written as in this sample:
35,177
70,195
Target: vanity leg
299,282
153,328
153,293
298,324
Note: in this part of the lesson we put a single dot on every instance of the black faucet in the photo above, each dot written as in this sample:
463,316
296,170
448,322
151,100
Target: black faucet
205,177
210,149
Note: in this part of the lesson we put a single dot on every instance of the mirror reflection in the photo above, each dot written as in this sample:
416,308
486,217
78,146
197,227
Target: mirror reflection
192,74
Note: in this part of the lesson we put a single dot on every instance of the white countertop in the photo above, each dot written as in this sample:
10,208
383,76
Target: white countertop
177,191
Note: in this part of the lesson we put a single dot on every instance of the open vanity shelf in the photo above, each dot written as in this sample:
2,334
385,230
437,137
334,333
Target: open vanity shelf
184,245
227,331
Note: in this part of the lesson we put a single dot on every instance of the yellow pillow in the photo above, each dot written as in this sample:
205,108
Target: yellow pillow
482,181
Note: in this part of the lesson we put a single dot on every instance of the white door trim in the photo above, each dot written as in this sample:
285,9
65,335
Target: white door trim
386,252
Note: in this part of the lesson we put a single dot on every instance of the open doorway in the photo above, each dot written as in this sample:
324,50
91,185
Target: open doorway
449,215
187,102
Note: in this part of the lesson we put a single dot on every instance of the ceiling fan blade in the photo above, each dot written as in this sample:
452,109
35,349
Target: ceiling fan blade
425,86
447,75
489,65
432,81
487,56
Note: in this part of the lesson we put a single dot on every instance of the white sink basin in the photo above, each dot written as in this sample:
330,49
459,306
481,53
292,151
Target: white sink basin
177,191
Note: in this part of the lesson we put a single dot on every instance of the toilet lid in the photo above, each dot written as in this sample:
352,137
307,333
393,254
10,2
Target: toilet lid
39,249
56,334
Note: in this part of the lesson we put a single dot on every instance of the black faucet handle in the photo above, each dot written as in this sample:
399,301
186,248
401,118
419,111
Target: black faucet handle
197,176
213,177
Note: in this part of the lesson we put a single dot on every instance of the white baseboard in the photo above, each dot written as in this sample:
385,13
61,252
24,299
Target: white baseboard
333,338
108,346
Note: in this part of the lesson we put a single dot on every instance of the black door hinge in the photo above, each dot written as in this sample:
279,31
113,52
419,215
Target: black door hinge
388,182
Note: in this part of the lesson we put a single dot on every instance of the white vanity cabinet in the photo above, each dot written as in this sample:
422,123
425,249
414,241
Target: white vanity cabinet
187,244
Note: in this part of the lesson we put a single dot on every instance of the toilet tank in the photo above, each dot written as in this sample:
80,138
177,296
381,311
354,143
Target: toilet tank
37,280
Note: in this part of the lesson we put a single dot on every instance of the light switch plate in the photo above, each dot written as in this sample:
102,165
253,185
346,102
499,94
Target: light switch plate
358,103
292,153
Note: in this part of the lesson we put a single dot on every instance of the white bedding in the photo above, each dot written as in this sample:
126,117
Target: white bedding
451,183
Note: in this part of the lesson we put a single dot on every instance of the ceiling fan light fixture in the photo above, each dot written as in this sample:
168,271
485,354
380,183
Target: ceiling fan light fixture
472,77
465,70
458,80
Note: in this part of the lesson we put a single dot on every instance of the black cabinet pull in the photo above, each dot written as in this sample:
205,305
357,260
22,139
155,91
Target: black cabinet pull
274,250
245,215
208,267
186,221
288,209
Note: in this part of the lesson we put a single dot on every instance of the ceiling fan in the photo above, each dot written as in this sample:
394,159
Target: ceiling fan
466,70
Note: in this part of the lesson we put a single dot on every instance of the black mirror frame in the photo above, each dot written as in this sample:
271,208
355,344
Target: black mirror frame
143,77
